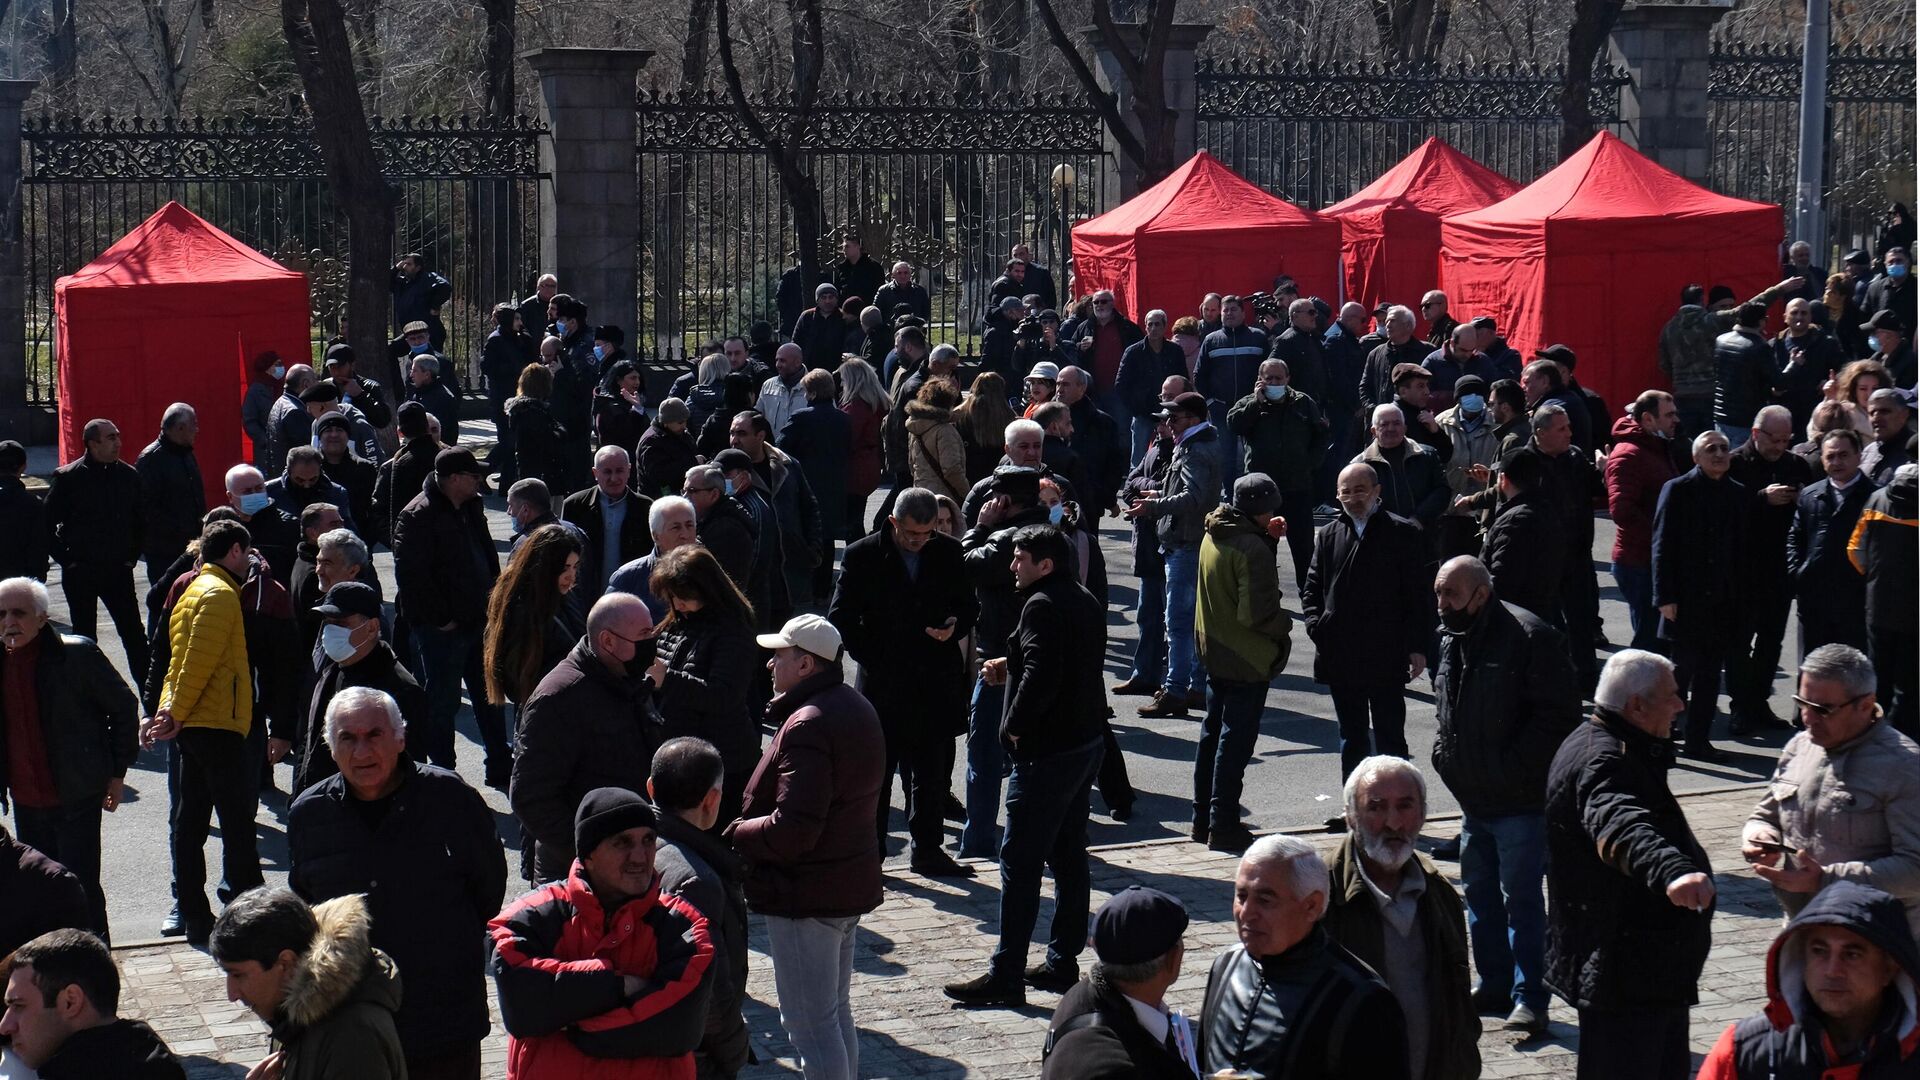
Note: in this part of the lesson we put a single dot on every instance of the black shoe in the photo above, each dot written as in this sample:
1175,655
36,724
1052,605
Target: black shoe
1448,849
988,990
173,925
1197,699
198,928
1488,1003
1706,753
1122,813
1336,824
1738,726
1232,839
1199,831
952,809
1524,1019
1055,978
1136,687
939,864
499,776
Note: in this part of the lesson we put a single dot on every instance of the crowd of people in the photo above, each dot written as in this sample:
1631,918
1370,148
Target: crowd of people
685,577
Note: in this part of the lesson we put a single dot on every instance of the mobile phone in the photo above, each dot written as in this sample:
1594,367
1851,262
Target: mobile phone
1786,852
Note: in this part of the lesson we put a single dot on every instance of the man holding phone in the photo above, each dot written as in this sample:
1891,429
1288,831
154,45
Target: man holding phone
902,606
1772,477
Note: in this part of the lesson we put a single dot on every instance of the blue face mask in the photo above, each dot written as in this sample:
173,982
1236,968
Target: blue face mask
422,347
1873,343
1896,269
1473,403
726,486
561,326
1057,513
254,502
599,353
1276,393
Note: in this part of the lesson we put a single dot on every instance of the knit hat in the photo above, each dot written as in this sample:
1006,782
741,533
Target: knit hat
607,811
674,411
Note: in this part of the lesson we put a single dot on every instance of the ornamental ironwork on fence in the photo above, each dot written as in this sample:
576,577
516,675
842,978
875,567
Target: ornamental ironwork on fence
946,182
468,201
1316,132
1754,102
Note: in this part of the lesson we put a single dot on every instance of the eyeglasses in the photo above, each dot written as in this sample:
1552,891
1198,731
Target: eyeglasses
1828,710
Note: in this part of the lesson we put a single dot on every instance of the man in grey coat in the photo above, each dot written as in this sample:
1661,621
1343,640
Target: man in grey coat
1179,514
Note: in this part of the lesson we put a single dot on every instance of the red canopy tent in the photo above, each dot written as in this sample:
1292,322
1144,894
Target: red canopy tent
1202,229
1391,228
172,312
1593,255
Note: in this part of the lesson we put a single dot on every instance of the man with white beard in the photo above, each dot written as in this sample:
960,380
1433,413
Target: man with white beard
1390,907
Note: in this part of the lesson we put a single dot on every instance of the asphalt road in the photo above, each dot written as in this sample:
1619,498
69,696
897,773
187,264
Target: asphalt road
1294,780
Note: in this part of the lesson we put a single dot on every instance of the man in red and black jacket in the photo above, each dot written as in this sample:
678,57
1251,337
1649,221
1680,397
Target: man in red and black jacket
600,977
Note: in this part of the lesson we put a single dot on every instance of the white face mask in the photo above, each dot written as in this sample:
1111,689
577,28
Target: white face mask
337,642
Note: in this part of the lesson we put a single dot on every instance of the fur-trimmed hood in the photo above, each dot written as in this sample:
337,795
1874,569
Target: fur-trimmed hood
342,965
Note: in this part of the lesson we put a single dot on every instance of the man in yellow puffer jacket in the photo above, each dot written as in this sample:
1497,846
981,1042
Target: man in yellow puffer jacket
206,707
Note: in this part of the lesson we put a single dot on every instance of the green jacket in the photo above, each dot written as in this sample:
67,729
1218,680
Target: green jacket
336,1021
1285,439
1242,630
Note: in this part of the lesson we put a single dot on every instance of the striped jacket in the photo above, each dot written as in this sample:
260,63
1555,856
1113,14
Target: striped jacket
560,965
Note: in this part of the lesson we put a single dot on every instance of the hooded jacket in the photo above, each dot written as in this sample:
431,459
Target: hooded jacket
1882,548
1244,634
936,452
336,1020
1786,1040
560,962
123,1050
1638,466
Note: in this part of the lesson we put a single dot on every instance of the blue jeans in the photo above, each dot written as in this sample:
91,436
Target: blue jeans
443,662
1046,828
1184,672
1737,434
986,761
1227,736
1141,430
1636,588
813,974
1150,645
1503,866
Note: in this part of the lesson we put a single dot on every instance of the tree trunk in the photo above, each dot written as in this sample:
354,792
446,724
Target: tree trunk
62,52
785,149
500,39
1412,30
1592,21
316,32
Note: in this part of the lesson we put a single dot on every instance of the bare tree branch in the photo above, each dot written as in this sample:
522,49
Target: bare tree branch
1107,103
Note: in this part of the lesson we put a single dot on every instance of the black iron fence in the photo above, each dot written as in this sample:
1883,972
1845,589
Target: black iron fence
1314,133
944,182
1755,118
469,202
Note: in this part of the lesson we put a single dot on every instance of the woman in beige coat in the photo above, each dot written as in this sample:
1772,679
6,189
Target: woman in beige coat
934,449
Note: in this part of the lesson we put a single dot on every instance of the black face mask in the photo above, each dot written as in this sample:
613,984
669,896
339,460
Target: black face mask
1456,620
644,652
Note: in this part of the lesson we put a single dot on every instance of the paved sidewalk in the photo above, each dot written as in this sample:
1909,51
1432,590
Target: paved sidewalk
929,932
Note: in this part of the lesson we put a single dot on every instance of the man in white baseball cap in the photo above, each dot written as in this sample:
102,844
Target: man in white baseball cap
806,833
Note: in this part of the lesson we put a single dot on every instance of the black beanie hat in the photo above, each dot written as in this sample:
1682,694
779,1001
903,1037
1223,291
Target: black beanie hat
606,811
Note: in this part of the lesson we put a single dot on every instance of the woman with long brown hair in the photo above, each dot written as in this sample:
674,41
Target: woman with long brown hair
707,665
530,625
982,420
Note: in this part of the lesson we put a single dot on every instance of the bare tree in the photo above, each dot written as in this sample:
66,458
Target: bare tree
1592,21
316,32
500,60
784,148
1152,150
1412,29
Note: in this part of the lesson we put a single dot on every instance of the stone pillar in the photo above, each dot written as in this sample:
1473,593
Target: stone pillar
1182,96
590,208
1663,108
16,419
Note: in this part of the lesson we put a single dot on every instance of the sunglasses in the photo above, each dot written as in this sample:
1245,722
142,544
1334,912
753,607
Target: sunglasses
1827,710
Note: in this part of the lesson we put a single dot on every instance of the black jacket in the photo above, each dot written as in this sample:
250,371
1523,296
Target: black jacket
890,296
1883,550
616,422
1743,376
583,728
94,515
444,562
1768,526
1701,529
400,479
358,477
862,278
1227,364
123,1049
441,402
173,498
1505,699
1306,361
1823,521
1368,600
88,718
819,439
728,532
382,671
1525,549
1094,1035
25,546
988,556
1056,690
1102,447
539,440
1376,378
916,684
663,461
1142,370
1616,838
433,872
699,868
584,508
276,536
1311,1013
504,356
41,896
1286,439
712,666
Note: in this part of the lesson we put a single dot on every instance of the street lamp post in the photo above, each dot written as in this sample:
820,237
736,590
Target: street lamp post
1063,178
